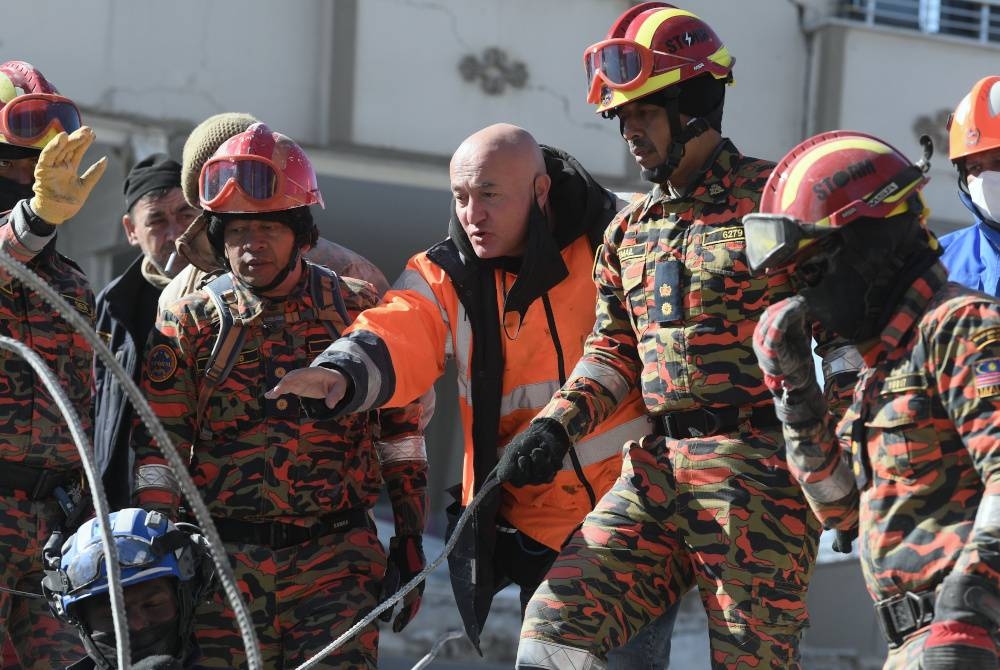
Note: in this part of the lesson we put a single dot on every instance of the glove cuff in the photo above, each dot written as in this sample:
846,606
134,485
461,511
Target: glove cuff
969,599
553,429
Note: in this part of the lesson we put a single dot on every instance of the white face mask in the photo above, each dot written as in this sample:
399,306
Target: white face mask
985,193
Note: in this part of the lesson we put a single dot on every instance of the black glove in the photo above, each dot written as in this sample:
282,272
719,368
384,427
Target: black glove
157,663
406,560
535,455
965,622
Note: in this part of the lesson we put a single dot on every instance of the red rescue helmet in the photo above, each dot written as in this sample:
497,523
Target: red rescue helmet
258,171
828,182
31,110
650,47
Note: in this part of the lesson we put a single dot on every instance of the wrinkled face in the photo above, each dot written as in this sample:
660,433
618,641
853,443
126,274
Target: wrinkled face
155,222
646,129
147,604
258,250
19,170
493,196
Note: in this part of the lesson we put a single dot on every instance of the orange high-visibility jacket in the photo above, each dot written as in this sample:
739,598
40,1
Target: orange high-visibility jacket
397,350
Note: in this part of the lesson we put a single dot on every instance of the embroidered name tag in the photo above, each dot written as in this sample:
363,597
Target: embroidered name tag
625,253
722,236
909,381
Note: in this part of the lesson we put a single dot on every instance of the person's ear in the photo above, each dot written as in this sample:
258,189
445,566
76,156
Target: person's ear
129,227
542,184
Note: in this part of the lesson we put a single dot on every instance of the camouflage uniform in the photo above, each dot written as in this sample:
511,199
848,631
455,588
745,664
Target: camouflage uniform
262,466
37,452
676,311
923,434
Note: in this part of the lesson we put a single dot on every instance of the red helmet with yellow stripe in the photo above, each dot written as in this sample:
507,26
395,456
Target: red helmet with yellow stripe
650,47
31,110
825,183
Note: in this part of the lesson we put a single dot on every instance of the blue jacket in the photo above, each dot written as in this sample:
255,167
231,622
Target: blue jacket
972,255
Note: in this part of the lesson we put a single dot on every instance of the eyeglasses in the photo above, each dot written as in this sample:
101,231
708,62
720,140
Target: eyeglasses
85,568
27,119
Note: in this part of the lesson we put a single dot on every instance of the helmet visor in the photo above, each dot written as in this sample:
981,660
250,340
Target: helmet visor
29,118
255,177
772,240
86,567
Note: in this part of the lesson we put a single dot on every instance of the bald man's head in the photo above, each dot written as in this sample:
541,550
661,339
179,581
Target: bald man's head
496,174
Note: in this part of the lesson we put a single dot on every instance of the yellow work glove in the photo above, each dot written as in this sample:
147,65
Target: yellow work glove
59,192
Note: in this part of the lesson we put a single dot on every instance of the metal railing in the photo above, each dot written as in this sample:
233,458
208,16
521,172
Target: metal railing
977,20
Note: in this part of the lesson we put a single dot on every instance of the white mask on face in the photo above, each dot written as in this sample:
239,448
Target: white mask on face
985,192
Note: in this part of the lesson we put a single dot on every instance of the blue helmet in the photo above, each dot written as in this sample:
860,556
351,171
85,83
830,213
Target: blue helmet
149,545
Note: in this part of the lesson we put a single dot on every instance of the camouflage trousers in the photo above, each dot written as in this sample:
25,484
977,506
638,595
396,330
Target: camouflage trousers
300,598
719,512
40,641
908,655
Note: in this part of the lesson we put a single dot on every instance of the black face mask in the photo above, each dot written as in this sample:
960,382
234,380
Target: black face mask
157,640
855,281
12,192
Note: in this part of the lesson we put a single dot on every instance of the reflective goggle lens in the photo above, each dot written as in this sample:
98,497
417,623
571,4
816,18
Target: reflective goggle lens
619,64
86,568
31,118
257,179
771,240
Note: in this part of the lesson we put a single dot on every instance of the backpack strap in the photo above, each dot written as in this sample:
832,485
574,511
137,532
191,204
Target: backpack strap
328,298
227,346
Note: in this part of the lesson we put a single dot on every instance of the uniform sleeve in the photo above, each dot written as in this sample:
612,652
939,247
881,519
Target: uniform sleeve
610,365
403,455
395,351
819,461
18,238
169,383
966,364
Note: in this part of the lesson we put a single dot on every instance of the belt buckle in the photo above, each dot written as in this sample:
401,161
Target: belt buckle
896,618
712,428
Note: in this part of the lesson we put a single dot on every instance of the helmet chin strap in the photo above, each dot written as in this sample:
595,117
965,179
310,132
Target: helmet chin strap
293,260
680,135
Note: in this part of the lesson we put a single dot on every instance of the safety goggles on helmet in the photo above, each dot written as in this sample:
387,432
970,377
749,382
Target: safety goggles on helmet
133,552
226,180
774,239
29,120
624,65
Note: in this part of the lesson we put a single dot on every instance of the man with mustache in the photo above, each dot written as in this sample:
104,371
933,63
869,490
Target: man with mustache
290,494
708,499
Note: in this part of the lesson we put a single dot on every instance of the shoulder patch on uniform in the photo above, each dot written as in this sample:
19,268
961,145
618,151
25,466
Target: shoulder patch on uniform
987,373
988,336
723,235
906,381
161,363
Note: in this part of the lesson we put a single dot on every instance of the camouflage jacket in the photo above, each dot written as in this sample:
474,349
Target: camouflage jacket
676,304
922,481
259,459
34,431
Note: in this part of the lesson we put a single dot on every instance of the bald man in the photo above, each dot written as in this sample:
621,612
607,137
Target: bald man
509,296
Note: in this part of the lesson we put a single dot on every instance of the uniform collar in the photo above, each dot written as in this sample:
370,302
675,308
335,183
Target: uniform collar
911,308
712,183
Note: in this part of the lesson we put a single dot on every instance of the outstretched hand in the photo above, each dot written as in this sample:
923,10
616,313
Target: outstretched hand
313,382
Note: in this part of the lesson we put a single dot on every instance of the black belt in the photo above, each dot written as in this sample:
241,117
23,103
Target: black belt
704,422
37,483
904,614
278,535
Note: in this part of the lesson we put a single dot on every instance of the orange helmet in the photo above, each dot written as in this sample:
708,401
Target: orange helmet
258,171
31,110
650,47
825,183
974,126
